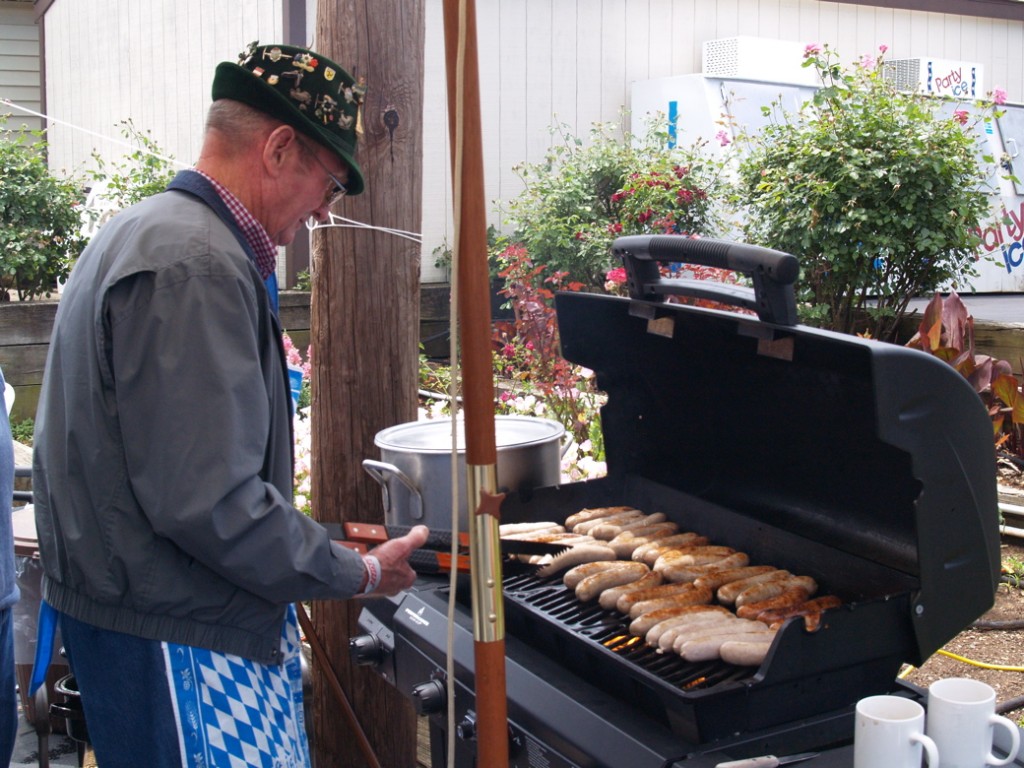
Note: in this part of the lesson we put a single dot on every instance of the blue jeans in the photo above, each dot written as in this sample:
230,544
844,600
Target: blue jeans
8,696
125,696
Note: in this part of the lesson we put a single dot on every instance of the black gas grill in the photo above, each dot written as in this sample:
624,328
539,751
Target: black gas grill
867,466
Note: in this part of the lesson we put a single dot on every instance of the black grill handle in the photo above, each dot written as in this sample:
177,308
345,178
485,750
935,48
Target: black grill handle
772,272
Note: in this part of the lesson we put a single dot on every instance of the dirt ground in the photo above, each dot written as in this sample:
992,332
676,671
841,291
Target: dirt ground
996,647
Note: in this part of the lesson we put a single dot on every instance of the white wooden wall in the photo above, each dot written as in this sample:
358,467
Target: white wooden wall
573,61
541,62
19,64
152,61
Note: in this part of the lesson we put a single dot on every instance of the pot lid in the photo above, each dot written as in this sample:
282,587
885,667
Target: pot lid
436,435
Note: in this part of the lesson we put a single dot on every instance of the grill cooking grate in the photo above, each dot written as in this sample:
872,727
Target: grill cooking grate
605,631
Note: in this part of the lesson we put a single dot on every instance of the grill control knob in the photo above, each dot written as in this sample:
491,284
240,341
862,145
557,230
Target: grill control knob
366,650
466,730
428,698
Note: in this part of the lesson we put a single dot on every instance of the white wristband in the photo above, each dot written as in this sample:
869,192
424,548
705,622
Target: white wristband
373,573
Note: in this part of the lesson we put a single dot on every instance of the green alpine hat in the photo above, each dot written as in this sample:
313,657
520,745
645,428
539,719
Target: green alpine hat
303,89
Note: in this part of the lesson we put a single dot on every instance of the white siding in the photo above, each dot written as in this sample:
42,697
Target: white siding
598,48
108,61
19,64
542,62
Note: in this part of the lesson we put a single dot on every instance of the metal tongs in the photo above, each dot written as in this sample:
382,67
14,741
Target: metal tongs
436,554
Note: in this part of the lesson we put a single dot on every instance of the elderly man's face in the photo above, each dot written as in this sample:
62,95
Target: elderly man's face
316,181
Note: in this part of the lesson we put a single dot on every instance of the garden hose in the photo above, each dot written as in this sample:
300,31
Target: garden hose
982,664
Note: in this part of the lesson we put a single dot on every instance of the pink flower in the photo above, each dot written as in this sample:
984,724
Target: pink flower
883,48
617,275
812,49
723,138
960,116
999,96
868,62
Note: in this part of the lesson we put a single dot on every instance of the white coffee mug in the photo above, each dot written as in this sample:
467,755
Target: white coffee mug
962,720
890,732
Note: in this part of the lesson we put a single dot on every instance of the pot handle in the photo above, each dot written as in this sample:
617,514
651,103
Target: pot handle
379,470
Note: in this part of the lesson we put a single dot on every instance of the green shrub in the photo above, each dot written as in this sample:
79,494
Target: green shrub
40,218
585,194
875,190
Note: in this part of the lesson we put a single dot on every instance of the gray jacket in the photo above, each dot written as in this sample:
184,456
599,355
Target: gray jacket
163,458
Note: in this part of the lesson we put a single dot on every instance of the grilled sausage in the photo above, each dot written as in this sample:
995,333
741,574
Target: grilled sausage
709,646
811,610
697,555
584,553
626,602
674,624
792,596
731,626
592,514
697,596
626,542
745,653
641,625
678,572
588,525
727,592
610,597
686,539
758,593
613,528
578,573
622,572
693,627
716,579
516,529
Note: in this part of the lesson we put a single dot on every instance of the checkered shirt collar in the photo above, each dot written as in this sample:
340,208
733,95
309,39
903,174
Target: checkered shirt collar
255,235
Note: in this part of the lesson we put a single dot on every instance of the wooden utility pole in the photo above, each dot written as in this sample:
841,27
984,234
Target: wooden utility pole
365,337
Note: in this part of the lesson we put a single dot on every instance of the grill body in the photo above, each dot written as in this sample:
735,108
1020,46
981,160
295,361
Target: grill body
865,465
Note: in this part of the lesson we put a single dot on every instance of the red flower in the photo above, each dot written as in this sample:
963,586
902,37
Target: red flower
617,275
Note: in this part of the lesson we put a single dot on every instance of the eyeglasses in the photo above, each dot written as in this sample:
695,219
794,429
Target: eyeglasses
335,193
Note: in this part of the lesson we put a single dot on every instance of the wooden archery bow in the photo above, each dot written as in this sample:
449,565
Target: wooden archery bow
473,283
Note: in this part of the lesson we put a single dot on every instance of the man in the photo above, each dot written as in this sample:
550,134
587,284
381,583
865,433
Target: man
8,590
163,464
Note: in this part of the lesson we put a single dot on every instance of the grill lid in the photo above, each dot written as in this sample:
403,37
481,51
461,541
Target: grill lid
875,449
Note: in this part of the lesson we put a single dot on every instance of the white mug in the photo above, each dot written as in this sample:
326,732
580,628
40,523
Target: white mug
890,732
962,720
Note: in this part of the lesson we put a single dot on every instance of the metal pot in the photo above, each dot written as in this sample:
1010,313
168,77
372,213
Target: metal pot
415,471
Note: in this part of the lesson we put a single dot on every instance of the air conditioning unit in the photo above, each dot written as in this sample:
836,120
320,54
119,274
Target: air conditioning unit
757,58
937,77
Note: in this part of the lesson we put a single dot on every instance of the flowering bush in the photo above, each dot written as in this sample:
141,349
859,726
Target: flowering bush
294,357
584,195
302,494
534,379
877,192
302,497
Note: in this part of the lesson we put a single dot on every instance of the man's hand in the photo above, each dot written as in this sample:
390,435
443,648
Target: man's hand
393,555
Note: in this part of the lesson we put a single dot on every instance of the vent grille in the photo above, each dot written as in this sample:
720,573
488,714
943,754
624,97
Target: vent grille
722,57
904,74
